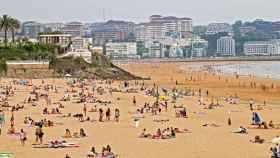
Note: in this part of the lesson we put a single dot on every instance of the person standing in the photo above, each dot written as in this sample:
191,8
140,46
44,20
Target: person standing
117,115
22,136
101,115
85,110
2,120
108,114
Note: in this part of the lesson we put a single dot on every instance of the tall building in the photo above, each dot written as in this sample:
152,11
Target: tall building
102,36
226,46
158,26
215,28
260,48
76,29
31,29
122,50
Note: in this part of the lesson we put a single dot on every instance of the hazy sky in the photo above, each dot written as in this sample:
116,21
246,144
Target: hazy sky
202,11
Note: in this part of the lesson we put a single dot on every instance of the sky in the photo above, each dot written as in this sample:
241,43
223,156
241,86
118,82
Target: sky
201,11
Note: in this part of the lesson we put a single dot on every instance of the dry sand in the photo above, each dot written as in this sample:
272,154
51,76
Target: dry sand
210,142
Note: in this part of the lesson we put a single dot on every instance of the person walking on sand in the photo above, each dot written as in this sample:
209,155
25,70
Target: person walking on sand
22,136
85,110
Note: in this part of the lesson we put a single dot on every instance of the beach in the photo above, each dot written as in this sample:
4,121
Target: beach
201,141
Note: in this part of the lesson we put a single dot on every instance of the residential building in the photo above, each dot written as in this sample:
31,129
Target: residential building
76,29
262,48
104,35
122,50
58,39
155,49
246,29
31,29
78,43
226,46
198,47
54,27
215,28
158,26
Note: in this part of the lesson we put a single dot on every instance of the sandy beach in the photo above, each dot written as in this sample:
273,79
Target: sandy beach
199,142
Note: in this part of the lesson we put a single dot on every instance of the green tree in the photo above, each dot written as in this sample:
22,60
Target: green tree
14,26
5,25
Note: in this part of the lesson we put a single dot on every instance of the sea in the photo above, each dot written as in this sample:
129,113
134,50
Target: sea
262,69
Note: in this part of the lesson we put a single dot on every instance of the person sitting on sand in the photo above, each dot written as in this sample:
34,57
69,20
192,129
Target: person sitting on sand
271,124
158,134
144,134
82,133
11,130
45,111
258,140
67,134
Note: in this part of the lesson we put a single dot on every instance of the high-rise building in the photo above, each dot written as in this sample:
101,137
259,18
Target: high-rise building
158,26
31,29
226,46
76,29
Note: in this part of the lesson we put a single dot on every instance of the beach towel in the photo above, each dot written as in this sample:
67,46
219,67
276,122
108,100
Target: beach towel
6,155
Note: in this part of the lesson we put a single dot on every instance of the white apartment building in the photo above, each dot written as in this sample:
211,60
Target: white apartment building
226,46
158,26
259,48
121,49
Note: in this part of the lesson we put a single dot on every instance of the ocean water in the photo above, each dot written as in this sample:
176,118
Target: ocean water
267,69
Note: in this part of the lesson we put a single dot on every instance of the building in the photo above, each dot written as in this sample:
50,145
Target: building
122,50
76,29
226,46
54,27
104,35
198,47
215,28
78,43
262,48
246,29
158,26
97,50
155,49
31,29
57,39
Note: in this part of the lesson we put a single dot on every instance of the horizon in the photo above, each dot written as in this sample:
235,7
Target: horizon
91,11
